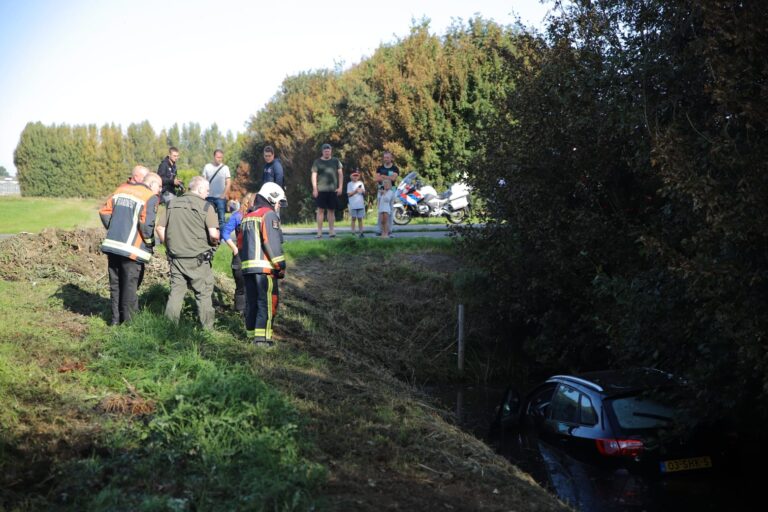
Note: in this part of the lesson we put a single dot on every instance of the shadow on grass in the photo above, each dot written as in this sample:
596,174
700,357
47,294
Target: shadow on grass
83,302
156,296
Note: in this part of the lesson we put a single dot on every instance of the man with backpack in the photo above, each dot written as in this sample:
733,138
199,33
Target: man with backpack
217,174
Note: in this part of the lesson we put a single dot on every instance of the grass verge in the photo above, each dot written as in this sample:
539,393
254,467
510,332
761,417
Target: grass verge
153,416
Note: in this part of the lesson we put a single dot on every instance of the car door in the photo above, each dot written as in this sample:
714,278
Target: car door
573,422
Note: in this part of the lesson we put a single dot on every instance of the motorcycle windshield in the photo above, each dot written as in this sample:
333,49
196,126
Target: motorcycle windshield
408,182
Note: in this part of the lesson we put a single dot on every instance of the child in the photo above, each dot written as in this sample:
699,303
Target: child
386,198
356,193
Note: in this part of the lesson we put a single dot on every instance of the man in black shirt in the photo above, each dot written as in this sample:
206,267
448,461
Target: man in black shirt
167,171
387,171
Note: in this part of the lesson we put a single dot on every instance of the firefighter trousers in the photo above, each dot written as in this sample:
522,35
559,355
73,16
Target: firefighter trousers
125,276
261,301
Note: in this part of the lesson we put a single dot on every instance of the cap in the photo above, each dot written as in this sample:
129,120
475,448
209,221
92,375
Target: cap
326,146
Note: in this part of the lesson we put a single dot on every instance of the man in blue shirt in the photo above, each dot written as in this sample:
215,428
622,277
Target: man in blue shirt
273,172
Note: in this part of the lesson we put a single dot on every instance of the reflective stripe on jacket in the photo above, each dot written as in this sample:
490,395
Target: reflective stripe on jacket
129,216
260,243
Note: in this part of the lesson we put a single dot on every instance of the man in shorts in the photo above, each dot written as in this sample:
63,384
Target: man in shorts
327,179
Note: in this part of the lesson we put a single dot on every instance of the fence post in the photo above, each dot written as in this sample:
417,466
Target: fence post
461,338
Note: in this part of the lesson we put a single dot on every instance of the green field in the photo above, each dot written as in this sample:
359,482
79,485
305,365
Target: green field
33,214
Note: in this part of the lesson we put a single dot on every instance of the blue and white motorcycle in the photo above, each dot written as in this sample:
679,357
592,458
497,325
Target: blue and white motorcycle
414,199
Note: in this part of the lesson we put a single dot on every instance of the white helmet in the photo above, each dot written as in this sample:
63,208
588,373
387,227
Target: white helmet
272,192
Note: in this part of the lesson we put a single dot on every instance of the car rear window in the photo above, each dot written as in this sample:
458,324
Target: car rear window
636,412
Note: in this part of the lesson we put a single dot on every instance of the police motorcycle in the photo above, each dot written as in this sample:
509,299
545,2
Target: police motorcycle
414,199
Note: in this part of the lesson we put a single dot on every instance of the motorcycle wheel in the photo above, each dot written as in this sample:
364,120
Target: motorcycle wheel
401,216
457,216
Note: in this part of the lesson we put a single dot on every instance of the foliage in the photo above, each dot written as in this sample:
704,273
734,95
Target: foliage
625,188
3,172
421,98
86,161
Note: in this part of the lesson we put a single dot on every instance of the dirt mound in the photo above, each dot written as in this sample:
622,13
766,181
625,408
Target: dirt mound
67,256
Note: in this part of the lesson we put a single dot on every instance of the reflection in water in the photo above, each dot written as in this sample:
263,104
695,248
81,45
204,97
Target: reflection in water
586,487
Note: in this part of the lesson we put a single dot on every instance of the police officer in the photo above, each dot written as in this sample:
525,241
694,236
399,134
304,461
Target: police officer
263,263
129,216
190,231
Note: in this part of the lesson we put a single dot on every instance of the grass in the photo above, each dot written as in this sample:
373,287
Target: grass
154,416
33,214
182,416
323,250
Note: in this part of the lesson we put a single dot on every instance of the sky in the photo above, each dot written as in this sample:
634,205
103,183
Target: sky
178,61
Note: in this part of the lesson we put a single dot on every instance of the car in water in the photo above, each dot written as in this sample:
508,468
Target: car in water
617,440
631,417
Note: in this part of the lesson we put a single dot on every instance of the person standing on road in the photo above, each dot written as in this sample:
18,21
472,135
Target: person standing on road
273,173
261,251
386,171
233,226
386,197
217,174
129,217
190,231
356,193
167,171
327,179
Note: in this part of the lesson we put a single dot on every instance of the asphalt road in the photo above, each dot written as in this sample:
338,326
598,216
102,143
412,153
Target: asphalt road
409,231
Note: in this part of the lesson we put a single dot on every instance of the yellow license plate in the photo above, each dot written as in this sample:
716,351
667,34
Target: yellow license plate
669,466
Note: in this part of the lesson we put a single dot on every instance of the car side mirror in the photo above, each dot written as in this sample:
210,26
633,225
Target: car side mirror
509,410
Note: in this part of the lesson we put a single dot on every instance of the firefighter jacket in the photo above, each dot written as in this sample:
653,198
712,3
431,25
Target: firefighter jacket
260,243
129,216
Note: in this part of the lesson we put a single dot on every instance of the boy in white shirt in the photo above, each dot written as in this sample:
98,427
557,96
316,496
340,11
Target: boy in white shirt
356,194
386,198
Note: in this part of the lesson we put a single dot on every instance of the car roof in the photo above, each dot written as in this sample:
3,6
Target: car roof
619,382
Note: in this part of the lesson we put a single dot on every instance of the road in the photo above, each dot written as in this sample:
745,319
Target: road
409,231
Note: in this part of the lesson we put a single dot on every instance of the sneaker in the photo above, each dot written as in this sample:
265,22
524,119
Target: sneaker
362,235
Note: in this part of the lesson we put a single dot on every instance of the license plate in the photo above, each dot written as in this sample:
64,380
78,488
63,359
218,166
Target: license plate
669,466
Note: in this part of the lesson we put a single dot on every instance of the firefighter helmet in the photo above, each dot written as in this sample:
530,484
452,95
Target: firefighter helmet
272,192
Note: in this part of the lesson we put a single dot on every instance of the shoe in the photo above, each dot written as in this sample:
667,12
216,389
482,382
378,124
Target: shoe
262,343
332,235
318,237
362,235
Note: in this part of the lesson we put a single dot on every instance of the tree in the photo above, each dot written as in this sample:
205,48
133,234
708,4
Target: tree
3,171
624,181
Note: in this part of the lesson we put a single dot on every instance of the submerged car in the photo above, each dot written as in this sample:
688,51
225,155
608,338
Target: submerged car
630,418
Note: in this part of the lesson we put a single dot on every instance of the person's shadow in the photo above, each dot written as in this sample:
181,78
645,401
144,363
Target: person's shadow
83,302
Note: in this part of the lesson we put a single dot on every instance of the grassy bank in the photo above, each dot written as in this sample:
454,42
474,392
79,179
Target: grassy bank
153,416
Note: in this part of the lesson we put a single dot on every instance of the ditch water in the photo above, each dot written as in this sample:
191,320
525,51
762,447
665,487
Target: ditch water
585,487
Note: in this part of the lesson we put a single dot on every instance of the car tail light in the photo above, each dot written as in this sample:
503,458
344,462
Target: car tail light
619,447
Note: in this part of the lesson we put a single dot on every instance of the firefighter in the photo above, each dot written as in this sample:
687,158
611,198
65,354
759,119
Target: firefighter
129,217
263,263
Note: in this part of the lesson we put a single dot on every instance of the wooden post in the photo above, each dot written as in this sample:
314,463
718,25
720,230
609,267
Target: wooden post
461,338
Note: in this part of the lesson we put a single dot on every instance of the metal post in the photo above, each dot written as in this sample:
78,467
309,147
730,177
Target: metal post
461,338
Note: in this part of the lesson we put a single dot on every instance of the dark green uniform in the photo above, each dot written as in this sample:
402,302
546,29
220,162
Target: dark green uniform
187,219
